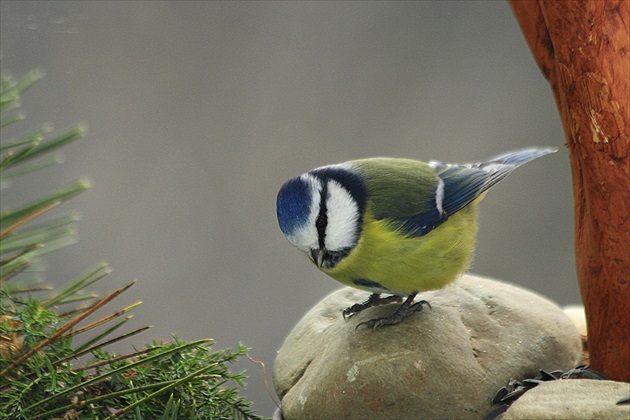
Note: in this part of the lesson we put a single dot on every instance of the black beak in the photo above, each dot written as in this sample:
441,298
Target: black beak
317,255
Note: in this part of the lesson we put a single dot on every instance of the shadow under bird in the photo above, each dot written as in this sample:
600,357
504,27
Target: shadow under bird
391,226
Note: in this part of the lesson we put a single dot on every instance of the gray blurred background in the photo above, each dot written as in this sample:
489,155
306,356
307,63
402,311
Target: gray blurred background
199,111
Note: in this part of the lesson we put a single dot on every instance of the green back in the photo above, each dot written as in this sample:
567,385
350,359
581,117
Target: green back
398,188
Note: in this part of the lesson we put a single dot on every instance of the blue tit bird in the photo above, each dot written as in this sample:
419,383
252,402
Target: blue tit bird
391,226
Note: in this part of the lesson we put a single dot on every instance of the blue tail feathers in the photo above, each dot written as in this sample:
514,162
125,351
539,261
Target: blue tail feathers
464,183
519,157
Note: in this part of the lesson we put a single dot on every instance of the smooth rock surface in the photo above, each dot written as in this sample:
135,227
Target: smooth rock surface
447,362
572,399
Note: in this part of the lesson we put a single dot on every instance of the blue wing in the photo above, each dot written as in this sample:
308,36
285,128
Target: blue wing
461,184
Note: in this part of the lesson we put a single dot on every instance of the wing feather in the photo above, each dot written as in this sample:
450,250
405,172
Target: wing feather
417,197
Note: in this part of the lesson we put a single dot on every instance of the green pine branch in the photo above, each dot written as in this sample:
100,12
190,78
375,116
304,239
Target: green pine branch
44,372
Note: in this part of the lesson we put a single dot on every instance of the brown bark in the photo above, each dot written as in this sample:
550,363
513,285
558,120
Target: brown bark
582,48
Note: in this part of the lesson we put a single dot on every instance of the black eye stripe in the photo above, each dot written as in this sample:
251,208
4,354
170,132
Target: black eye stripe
322,218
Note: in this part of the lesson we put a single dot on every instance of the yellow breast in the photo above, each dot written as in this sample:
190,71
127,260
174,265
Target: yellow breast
404,265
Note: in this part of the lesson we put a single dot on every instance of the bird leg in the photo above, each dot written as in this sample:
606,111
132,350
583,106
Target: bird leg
375,299
403,311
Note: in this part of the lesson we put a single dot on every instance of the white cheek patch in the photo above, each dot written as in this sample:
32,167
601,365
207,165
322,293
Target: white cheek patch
305,237
343,217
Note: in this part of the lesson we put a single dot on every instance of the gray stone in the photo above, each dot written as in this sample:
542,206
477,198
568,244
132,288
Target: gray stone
572,399
445,362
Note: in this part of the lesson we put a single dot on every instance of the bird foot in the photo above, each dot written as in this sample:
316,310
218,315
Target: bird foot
403,311
374,300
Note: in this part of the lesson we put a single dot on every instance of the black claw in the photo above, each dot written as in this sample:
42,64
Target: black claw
374,300
371,324
380,322
418,305
403,311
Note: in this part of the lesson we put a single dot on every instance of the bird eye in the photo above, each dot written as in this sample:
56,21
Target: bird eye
321,221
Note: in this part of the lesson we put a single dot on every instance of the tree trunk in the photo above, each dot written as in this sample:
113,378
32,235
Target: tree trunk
582,48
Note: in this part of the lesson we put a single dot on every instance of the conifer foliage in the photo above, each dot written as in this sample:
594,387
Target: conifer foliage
53,357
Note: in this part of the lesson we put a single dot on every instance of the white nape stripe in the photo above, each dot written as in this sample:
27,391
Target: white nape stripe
439,196
343,217
305,237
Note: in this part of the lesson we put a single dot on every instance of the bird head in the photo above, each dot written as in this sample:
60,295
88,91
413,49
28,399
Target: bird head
321,212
